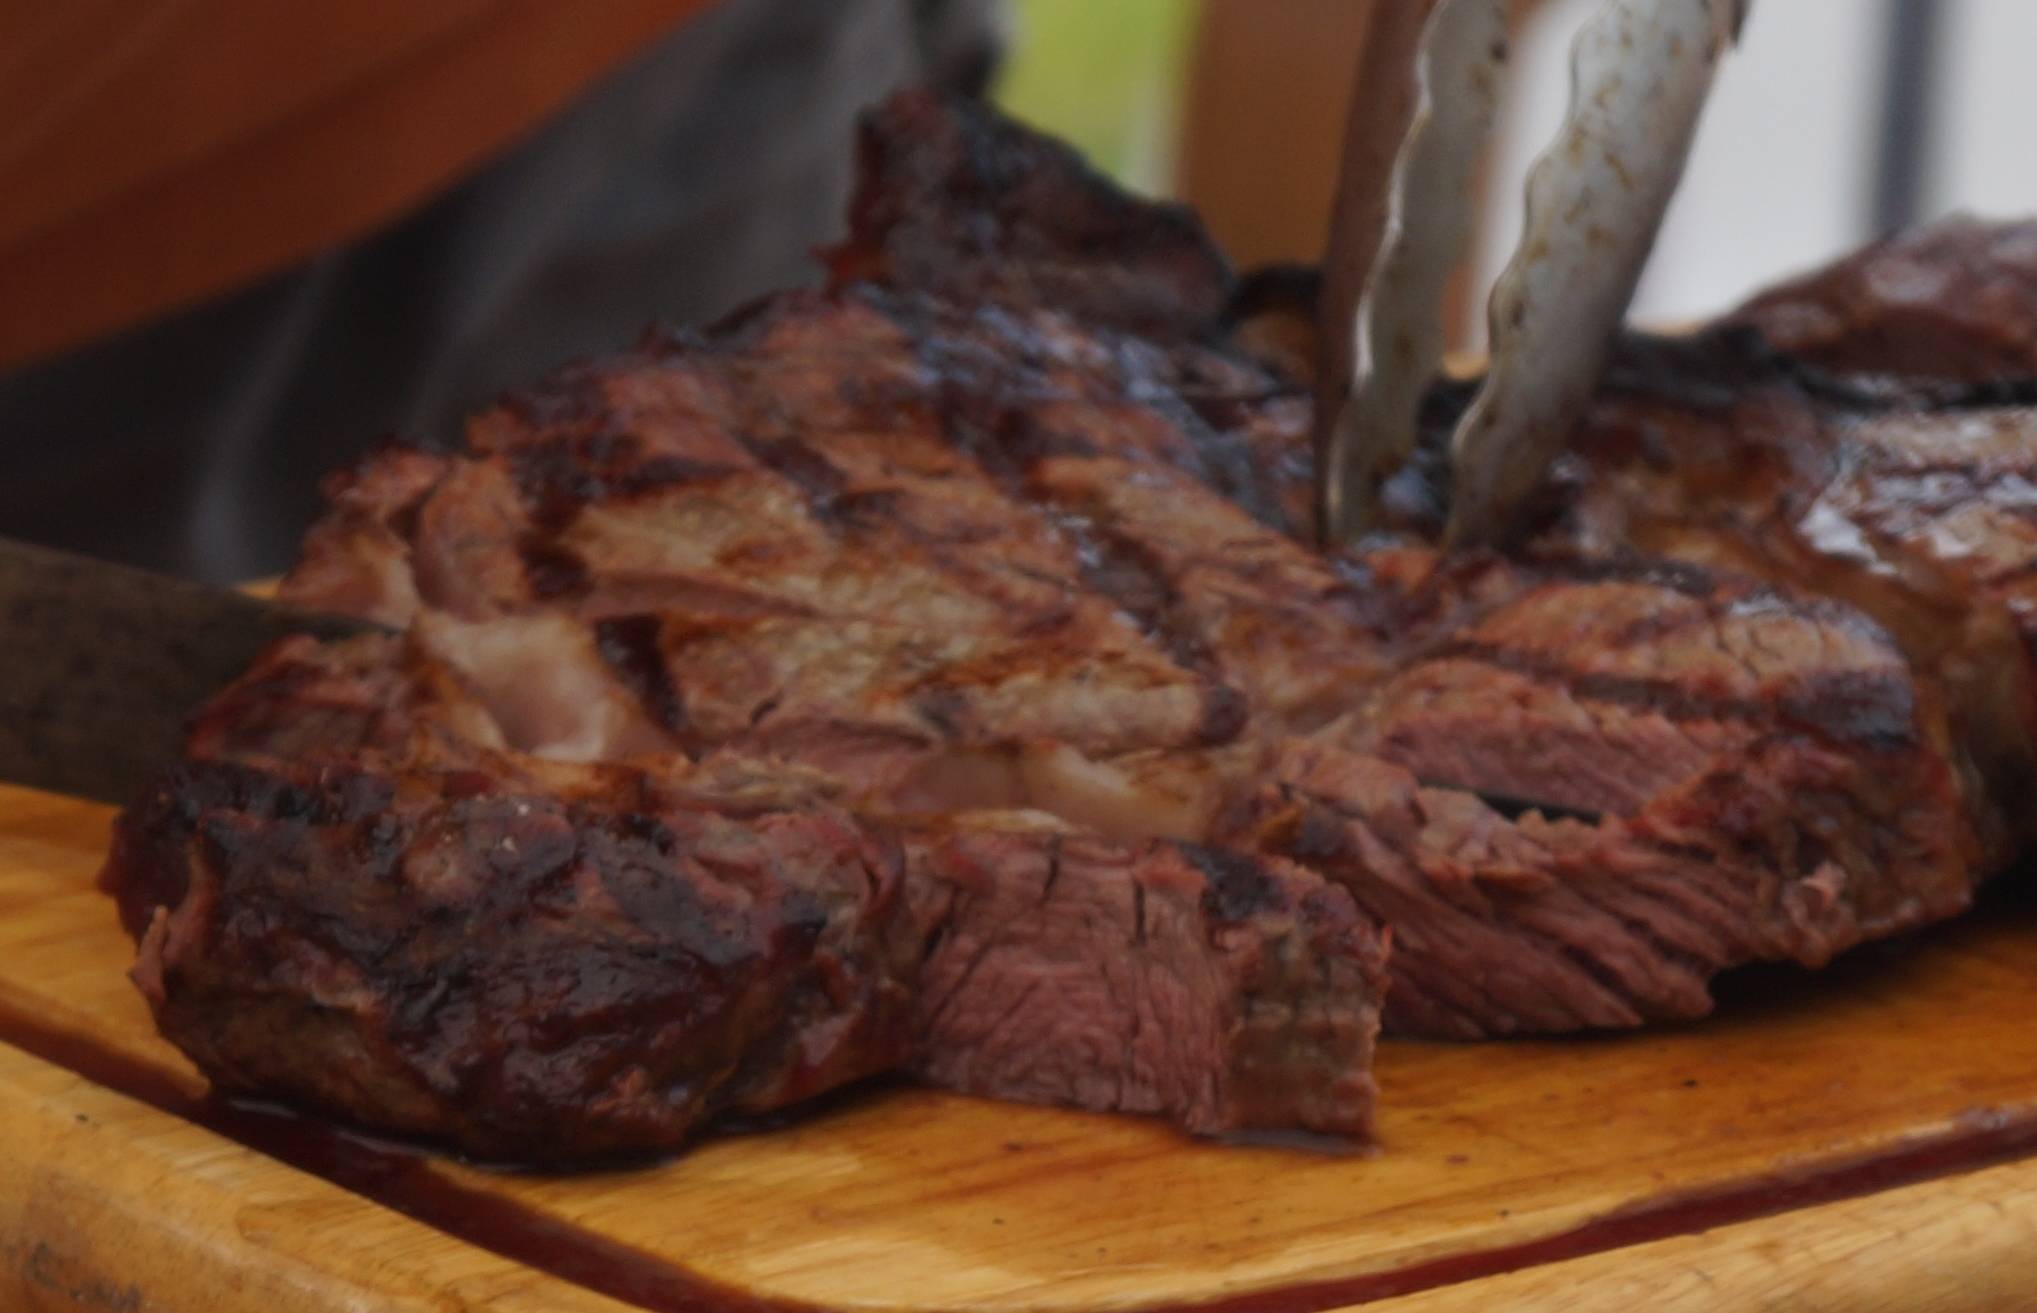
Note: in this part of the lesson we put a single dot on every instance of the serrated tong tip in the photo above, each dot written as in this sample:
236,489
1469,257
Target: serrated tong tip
1640,73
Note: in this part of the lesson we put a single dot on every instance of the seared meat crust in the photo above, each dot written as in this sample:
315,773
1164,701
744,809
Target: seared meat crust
938,673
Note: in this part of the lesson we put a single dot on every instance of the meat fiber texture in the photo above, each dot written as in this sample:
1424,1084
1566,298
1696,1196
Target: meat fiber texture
939,673
368,911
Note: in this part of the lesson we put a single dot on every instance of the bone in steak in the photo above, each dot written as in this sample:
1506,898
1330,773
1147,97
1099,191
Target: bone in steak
937,672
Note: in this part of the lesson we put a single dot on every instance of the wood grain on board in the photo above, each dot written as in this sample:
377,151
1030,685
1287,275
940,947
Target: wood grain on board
904,1198
108,1204
1964,1244
155,151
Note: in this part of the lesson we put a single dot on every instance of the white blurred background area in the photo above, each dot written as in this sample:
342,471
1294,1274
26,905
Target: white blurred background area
1835,120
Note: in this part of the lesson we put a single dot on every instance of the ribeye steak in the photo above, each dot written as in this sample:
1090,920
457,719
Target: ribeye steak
938,672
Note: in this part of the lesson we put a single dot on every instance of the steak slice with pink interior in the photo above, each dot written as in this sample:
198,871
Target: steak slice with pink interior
560,963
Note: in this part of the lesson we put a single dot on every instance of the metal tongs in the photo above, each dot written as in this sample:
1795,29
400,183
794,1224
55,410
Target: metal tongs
1421,116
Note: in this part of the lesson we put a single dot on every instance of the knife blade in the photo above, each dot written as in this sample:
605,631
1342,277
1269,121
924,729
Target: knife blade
105,662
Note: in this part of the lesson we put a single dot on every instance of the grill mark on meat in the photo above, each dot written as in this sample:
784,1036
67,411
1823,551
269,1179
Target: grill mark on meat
554,571
1868,708
1116,568
1874,710
344,795
945,708
1676,576
1715,371
1513,809
1238,888
818,481
1125,571
630,646
845,509
1225,460
1858,393
557,475
1987,394
1225,713
1582,779
1053,868
1219,455
985,412
898,400
865,509
989,416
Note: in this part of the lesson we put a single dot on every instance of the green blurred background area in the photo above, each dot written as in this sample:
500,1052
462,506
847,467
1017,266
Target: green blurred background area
1107,75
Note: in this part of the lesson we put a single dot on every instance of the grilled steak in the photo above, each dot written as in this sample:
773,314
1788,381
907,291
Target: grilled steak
939,673
370,912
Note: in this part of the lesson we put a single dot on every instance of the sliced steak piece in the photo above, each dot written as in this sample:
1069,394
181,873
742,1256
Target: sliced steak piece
1599,686
352,895
1608,783
565,973
1506,924
521,975
1227,992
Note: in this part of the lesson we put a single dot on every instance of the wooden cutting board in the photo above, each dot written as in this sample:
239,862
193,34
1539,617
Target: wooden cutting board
1885,1083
